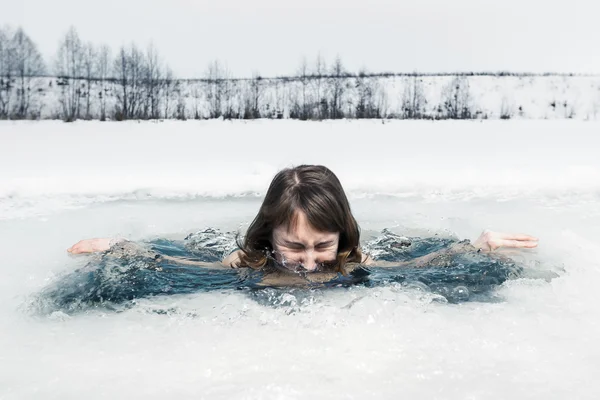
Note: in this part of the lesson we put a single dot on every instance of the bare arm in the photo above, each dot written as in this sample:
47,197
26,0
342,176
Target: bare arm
488,241
422,261
94,245
369,261
193,263
120,246
231,261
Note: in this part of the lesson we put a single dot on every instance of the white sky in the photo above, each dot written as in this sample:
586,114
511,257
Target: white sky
271,36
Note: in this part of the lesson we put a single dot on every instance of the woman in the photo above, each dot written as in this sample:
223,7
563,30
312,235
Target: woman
305,225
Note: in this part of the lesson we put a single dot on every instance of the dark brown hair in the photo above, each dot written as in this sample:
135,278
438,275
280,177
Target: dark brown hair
317,192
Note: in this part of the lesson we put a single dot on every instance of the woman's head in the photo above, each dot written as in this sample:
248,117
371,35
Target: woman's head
305,218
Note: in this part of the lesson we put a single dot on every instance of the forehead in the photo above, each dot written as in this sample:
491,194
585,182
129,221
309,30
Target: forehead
299,229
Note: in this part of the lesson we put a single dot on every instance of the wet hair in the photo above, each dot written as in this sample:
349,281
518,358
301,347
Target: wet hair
318,193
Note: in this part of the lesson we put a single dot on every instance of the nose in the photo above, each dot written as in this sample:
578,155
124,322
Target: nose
310,261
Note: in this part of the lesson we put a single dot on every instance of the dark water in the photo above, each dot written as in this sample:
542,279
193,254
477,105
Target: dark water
114,279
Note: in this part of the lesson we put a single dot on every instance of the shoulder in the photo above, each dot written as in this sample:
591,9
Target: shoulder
232,260
367,260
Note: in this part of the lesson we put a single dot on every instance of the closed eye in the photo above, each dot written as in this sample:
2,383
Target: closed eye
294,246
324,245
300,246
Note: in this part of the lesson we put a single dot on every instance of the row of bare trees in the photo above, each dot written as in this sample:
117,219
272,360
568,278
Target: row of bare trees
134,80
333,93
90,82
20,60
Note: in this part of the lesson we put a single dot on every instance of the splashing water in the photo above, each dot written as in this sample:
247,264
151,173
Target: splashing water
118,278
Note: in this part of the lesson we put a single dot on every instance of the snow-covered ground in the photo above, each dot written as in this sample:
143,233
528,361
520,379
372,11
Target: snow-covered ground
63,182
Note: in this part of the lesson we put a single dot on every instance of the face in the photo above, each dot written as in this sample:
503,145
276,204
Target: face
304,245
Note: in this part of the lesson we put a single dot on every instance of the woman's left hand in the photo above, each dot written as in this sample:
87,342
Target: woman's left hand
490,241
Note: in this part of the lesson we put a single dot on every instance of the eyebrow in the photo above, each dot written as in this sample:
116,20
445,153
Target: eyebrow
326,242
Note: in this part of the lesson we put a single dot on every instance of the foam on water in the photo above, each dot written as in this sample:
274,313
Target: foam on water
539,340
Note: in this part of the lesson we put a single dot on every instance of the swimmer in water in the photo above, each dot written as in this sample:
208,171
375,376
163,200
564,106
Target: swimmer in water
305,230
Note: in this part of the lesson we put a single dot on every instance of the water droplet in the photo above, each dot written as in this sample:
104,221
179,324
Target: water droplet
460,293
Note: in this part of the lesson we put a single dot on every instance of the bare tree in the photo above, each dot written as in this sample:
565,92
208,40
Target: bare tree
506,108
70,62
413,98
456,99
305,111
382,102
6,71
103,73
168,90
253,97
219,90
89,74
137,67
129,68
214,92
336,87
121,73
28,64
320,74
197,96
366,89
279,94
153,82
179,90
232,91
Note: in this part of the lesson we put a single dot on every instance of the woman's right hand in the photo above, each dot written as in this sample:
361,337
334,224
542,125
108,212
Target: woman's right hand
91,245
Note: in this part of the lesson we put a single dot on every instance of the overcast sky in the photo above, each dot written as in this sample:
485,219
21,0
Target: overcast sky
271,36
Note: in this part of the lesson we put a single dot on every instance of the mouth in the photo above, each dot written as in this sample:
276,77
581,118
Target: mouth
299,268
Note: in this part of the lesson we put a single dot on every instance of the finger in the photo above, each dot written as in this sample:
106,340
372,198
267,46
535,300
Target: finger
77,249
518,236
523,237
74,247
517,243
